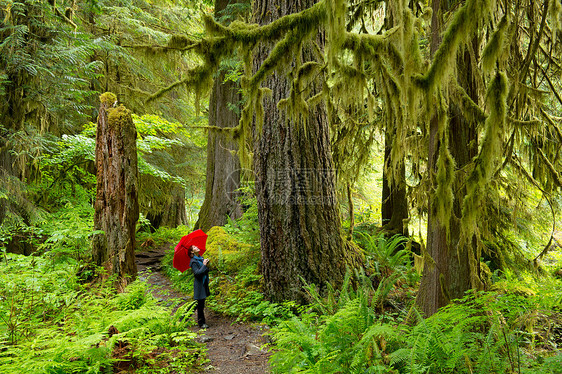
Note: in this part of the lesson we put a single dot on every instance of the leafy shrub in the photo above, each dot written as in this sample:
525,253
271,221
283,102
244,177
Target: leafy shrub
164,235
246,228
68,232
240,295
385,256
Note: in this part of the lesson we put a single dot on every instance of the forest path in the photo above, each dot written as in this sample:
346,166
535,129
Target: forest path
232,347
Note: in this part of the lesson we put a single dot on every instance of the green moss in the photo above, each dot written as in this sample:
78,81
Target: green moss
488,156
555,16
108,98
224,251
178,41
118,117
495,46
471,110
445,177
465,24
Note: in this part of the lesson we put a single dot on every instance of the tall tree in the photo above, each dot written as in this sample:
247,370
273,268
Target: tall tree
41,56
299,221
295,179
453,143
470,150
449,278
135,66
223,166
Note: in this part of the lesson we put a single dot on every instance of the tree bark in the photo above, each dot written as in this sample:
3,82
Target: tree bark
223,167
116,205
300,227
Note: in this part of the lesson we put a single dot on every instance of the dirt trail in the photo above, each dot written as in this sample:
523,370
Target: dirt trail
232,348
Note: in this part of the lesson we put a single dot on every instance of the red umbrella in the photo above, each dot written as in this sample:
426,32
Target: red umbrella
181,259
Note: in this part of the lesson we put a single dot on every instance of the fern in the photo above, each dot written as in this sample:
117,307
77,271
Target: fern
347,335
386,256
63,329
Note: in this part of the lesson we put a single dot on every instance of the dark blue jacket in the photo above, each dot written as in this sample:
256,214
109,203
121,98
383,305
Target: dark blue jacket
201,278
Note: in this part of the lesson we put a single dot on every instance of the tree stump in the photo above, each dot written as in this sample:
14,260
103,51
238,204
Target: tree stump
116,205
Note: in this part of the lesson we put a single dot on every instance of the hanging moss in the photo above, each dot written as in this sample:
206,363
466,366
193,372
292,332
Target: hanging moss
335,31
199,80
179,41
443,198
239,32
555,17
471,110
489,155
465,24
495,45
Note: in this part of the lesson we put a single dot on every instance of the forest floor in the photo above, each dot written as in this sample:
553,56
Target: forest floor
232,347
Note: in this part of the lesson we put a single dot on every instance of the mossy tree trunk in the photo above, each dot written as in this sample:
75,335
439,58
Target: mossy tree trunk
300,227
450,275
14,123
223,166
116,205
394,200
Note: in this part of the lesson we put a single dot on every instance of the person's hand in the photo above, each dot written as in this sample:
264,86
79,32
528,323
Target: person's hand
205,261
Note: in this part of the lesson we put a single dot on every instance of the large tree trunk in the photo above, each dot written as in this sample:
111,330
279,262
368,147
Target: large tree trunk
116,205
449,277
300,227
223,168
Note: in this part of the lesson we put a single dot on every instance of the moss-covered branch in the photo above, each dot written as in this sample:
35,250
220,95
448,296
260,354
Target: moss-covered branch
551,167
495,46
199,78
465,24
240,32
531,52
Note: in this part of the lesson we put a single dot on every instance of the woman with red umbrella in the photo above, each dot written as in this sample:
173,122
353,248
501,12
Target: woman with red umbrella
188,254
200,283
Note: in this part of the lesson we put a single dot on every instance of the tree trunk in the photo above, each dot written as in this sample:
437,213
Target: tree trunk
449,277
116,205
394,200
394,206
300,227
173,212
223,168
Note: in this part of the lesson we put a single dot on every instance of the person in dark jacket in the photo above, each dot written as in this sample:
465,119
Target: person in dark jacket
200,283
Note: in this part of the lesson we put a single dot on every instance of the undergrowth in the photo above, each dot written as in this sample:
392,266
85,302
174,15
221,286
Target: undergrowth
53,323
358,329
